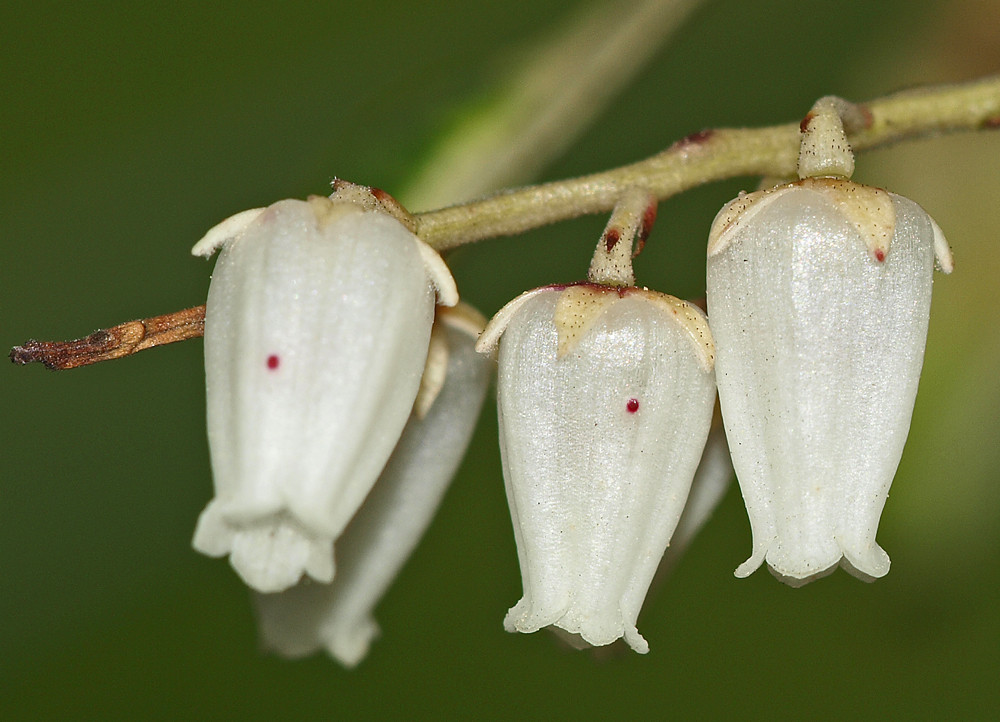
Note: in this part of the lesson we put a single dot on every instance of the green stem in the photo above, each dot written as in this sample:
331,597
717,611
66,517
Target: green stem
709,156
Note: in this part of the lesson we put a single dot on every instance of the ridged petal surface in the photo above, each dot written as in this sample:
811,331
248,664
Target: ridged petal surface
378,541
819,345
599,447
316,332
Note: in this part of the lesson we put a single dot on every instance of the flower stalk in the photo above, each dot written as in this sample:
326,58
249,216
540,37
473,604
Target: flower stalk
627,229
711,155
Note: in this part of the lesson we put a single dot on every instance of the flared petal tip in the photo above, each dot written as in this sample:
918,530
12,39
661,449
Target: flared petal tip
270,555
272,558
751,565
307,619
578,630
349,643
867,564
636,641
793,569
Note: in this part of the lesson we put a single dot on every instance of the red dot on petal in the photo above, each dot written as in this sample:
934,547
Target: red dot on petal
632,405
879,255
273,361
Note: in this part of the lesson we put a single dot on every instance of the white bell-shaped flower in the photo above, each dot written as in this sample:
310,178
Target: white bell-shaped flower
605,398
819,294
316,333
384,532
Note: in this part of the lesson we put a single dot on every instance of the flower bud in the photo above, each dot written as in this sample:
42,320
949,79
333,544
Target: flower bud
316,334
819,294
605,399
394,516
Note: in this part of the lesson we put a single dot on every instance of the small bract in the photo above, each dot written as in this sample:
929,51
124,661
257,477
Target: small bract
380,538
316,333
605,398
819,294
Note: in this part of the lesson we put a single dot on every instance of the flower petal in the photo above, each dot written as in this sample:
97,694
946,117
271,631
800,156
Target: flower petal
316,333
383,534
599,446
819,349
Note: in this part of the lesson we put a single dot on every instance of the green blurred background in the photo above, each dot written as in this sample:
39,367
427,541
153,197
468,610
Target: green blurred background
127,130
